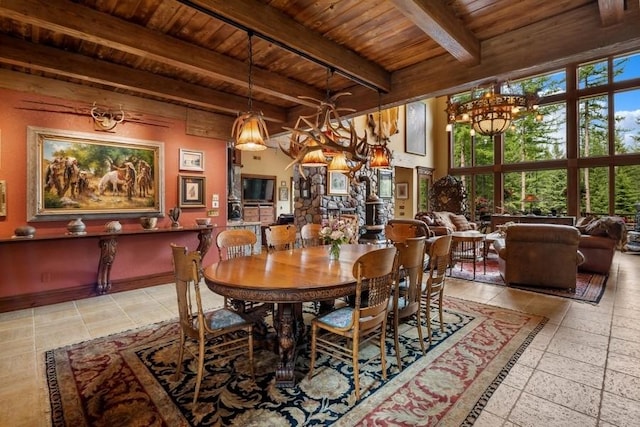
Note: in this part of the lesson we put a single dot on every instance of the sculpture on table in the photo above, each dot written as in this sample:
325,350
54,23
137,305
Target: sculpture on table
174,214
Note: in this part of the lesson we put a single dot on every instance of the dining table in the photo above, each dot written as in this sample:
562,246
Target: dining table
287,278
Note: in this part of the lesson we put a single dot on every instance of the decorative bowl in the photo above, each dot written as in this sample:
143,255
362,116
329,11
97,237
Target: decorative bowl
203,222
148,222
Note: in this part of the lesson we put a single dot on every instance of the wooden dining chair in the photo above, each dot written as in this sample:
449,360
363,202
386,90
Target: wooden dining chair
234,244
398,230
280,237
434,287
341,333
225,332
406,296
310,235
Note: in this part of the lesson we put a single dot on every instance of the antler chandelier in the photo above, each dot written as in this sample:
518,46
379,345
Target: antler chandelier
326,139
491,113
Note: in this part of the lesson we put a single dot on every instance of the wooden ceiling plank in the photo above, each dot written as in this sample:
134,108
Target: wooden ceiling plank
87,24
440,23
42,58
540,47
274,24
611,11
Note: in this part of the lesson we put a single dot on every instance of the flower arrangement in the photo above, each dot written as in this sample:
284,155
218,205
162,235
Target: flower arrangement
335,232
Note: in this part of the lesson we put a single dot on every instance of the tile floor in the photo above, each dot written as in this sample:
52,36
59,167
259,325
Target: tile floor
582,369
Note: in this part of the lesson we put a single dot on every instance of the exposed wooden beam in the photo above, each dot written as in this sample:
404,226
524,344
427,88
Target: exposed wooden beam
439,22
87,24
611,11
47,59
268,21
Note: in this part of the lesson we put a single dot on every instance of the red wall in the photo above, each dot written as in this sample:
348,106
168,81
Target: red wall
33,266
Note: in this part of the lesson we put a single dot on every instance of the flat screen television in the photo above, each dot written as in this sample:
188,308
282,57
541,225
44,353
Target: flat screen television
258,189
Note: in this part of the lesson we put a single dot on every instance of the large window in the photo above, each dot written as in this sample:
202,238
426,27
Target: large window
580,153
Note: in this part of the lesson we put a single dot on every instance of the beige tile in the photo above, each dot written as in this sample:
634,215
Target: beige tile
597,325
625,312
15,315
53,338
627,348
570,335
532,411
625,334
619,411
110,326
21,331
561,391
64,306
487,419
627,322
502,400
15,369
43,319
530,357
17,347
576,351
102,314
626,364
621,384
580,372
518,376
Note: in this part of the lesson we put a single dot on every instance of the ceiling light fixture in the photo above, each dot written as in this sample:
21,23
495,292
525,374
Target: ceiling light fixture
324,138
380,153
249,129
491,113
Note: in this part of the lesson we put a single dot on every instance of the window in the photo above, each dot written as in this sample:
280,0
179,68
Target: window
593,126
627,120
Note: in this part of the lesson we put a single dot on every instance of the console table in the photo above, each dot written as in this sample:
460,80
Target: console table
108,243
497,220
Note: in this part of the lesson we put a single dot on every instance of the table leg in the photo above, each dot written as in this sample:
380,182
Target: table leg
108,246
289,330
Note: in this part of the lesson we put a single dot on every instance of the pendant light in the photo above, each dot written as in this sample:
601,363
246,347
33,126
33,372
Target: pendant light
380,153
249,129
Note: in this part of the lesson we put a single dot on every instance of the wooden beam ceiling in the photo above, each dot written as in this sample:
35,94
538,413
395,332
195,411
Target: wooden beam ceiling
439,22
611,11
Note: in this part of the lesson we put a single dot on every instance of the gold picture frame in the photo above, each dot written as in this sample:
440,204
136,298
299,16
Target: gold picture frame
191,191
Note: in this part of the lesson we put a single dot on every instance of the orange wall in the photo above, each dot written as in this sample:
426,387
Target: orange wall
32,266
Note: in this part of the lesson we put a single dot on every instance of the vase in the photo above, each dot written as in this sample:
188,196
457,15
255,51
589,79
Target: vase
334,251
76,226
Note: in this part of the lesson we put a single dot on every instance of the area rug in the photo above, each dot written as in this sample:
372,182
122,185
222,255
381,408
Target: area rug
128,379
589,286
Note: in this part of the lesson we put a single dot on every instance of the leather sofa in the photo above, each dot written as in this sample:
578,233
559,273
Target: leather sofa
444,222
598,253
544,255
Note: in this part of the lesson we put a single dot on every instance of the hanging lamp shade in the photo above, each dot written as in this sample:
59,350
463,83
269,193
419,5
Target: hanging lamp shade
380,157
314,158
339,163
249,131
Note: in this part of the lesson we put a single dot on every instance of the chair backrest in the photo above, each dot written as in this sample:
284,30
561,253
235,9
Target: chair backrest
375,273
280,237
235,243
310,235
438,263
398,230
411,254
187,272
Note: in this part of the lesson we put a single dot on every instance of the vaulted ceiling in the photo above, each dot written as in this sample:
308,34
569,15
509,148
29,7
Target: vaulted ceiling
189,58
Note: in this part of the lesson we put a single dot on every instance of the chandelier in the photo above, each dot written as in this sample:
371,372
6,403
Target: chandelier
249,130
491,113
325,139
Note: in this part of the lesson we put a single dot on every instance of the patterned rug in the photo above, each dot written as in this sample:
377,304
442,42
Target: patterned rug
589,286
127,379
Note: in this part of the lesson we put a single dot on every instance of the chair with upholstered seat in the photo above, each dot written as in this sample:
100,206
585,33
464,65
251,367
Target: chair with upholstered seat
280,237
433,291
226,333
406,297
310,235
341,332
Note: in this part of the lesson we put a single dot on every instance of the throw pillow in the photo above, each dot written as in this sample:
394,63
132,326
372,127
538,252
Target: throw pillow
461,223
442,219
596,228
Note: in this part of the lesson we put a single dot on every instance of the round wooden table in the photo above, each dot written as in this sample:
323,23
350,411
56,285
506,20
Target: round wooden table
287,278
464,247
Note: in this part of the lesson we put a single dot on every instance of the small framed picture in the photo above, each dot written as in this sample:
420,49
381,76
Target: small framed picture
402,190
191,160
305,188
338,184
191,191
385,183
283,194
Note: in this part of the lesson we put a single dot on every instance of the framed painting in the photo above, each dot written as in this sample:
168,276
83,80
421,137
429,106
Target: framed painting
385,183
73,174
191,160
338,184
283,194
402,190
415,128
191,191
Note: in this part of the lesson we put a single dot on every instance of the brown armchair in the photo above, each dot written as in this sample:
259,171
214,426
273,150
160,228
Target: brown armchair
544,255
